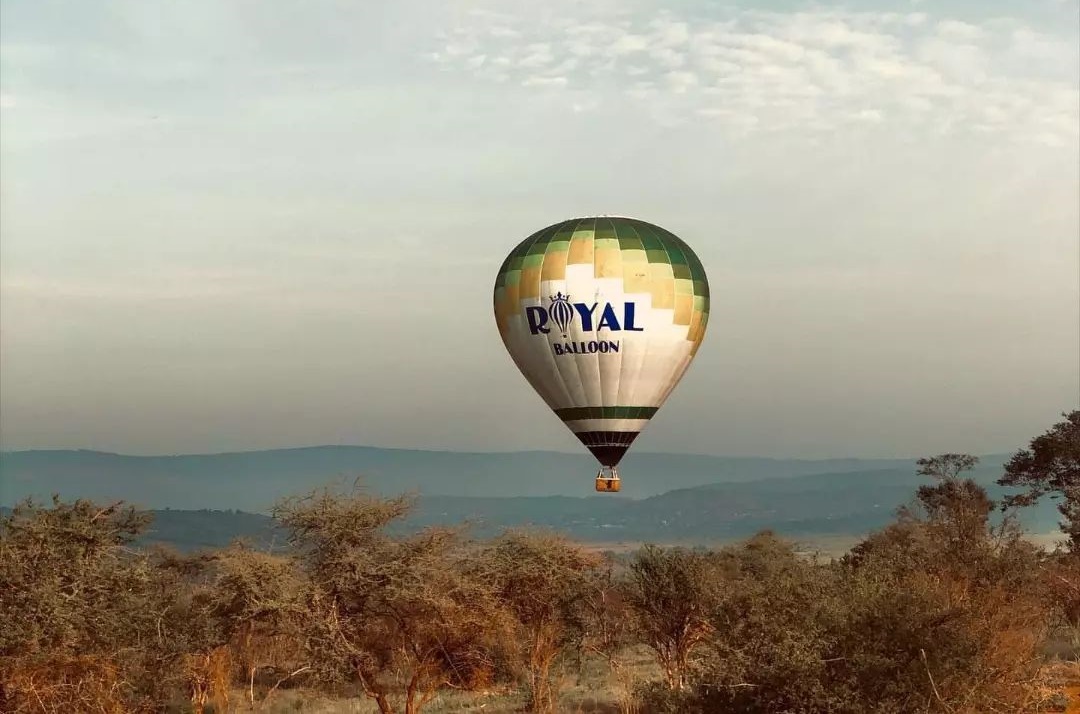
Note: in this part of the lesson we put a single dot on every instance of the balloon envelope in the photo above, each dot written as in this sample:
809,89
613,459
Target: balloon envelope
602,315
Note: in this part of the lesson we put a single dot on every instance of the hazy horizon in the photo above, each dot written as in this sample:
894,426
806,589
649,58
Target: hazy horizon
232,230
568,451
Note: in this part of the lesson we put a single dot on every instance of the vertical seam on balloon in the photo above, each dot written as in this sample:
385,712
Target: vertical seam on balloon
525,247
549,358
678,366
573,361
665,382
618,369
635,396
551,352
594,363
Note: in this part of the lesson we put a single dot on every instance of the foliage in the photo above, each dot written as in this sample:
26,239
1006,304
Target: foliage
610,631
1051,466
671,591
913,620
940,611
401,617
543,580
83,611
260,603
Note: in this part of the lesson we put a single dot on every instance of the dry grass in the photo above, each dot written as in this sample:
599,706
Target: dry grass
594,697
63,684
593,691
1063,680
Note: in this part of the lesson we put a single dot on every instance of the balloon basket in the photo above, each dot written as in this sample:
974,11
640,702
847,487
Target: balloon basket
607,482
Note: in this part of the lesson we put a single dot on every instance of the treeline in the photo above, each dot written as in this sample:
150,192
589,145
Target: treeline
941,611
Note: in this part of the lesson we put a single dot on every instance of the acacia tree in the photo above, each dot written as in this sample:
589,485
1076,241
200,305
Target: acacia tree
973,614
903,625
609,628
52,565
260,599
63,627
671,590
89,621
542,579
1051,466
401,617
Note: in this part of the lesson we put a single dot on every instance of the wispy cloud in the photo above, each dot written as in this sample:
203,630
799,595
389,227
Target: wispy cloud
816,71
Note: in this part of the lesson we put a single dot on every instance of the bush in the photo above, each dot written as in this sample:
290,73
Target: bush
911,621
938,612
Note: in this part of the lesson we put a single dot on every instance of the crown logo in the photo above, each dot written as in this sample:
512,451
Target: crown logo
561,311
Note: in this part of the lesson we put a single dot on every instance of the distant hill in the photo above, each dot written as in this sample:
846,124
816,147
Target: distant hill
206,528
208,500
253,481
828,503
824,504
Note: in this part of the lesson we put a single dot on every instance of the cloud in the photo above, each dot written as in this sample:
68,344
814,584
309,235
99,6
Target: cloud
669,34
538,55
629,43
961,31
681,81
502,32
869,115
668,57
815,70
544,82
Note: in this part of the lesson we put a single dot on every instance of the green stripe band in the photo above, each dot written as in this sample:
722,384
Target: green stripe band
576,413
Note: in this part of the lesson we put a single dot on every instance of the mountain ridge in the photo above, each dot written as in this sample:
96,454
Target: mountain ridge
253,480
464,452
218,493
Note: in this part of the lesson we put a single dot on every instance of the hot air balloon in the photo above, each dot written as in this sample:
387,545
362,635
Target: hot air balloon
602,315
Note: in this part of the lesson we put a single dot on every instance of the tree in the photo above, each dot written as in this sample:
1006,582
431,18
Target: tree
973,611
402,617
773,646
671,590
957,509
55,562
61,570
904,627
542,579
1050,466
946,467
90,620
260,600
609,628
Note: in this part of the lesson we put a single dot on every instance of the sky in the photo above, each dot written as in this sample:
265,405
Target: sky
244,225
